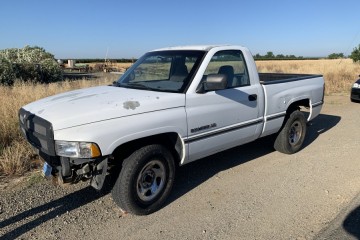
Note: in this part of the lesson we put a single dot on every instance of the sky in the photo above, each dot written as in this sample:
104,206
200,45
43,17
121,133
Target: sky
128,29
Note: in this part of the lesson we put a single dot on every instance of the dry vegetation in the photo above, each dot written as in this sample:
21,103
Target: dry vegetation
339,74
15,152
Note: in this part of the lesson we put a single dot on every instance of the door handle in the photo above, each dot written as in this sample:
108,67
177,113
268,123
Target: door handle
252,97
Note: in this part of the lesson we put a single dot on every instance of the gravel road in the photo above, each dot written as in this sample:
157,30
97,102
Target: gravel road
248,192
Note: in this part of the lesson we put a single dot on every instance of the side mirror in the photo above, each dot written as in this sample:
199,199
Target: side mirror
215,82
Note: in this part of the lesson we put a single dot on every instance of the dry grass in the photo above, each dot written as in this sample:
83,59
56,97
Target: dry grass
15,153
15,158
339,74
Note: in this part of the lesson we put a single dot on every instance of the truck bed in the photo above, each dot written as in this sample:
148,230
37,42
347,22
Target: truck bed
281,90
274,78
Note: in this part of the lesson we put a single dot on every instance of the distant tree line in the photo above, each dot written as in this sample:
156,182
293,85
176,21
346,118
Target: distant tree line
336,56
355,56
271,56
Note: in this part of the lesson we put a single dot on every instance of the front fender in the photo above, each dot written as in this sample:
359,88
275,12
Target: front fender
110,134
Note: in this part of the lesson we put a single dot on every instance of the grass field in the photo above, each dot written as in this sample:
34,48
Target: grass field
16,154
339,74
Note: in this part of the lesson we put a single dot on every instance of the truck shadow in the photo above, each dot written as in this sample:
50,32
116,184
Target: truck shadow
194,174
351,223
320,125
49,211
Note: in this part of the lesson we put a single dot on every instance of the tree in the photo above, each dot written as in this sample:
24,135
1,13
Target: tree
257,56
269,55
336,56
355,54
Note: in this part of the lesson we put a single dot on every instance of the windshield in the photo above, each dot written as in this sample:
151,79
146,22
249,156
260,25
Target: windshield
168,71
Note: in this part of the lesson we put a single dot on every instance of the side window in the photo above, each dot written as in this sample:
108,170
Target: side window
232,64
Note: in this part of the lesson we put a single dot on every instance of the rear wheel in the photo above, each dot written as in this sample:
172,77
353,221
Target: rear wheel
145,180
291,137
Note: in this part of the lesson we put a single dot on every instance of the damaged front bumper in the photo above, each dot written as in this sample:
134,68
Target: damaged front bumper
72,170
39,133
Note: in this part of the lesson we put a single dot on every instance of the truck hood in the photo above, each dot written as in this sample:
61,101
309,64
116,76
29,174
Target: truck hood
96,104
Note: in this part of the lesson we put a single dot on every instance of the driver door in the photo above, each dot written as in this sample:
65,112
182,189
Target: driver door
218,120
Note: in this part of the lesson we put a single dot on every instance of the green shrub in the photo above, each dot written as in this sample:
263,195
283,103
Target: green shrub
355,54
28,64
51,72
7,74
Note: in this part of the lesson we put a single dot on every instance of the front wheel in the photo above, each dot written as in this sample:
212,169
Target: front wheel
291,137
145,180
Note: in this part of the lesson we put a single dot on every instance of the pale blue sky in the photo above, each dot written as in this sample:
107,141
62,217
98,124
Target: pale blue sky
87,29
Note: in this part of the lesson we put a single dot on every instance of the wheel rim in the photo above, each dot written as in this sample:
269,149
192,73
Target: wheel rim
295,133
151,180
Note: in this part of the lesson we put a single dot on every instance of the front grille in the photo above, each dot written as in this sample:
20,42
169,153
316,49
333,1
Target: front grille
38,132
355,93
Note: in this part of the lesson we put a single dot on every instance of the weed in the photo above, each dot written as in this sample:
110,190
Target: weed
35,178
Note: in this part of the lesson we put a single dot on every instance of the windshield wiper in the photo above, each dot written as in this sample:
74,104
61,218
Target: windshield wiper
135,86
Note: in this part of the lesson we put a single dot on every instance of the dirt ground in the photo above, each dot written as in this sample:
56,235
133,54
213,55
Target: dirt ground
248,192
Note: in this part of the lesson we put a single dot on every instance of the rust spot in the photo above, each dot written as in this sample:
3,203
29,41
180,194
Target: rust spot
131,105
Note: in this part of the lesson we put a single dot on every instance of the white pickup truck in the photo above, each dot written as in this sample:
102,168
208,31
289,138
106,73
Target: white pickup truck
173,106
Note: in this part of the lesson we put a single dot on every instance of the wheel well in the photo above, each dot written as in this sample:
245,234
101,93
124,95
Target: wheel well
296,106
293,107
171,140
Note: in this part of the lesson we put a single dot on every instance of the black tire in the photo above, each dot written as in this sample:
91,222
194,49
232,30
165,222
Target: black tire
291,136
145,180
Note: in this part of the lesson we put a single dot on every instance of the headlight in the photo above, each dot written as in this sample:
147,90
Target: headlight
77,149
356,85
